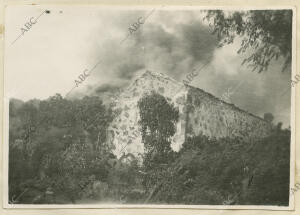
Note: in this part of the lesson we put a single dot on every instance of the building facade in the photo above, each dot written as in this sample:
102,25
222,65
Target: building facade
199,113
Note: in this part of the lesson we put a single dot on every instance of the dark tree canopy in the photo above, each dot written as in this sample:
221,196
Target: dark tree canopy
51,148
158,119
58,153
266,34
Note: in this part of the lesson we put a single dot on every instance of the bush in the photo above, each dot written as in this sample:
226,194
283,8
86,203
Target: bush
228,171
57,154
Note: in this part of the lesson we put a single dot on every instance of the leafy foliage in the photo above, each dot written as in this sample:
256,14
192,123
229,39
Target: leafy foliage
52,150
267,34
58,154
157,120
228,171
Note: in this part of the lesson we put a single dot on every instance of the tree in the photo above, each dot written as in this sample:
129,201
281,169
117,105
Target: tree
58,145
157,120
229,171
267,34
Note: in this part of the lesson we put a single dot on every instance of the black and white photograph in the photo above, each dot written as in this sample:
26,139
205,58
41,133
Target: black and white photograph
149,106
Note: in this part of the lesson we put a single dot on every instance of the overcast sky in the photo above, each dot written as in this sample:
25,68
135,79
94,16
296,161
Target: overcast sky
63,43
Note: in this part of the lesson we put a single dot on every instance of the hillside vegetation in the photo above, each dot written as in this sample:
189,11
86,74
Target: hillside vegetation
58,154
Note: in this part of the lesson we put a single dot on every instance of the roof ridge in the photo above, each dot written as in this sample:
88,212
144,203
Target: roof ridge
231,104
162,75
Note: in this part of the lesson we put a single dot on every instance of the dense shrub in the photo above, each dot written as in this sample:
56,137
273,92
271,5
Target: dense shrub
57,148
228,171
157,120
58,154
